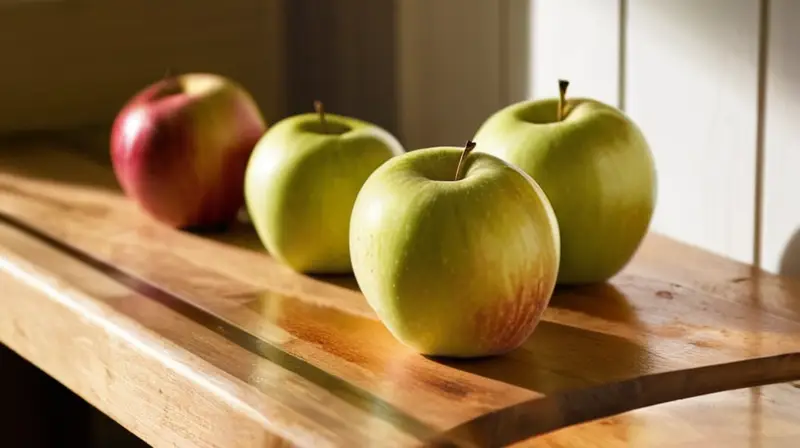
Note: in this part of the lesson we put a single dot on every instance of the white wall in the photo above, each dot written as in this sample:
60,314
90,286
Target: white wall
692,85
780,248
578,40
714,85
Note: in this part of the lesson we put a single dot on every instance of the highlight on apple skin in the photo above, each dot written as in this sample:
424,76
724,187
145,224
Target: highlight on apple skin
595,167
301,183
180,147
455,265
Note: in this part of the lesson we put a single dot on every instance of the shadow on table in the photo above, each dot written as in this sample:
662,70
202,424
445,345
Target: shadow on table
51,156
566,354
559,355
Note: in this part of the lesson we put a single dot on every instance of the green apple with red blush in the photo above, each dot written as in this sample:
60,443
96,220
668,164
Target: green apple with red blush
180,147
456,251
596,168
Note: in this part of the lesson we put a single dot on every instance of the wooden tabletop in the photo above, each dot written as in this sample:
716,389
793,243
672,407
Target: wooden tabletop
757,417
204,340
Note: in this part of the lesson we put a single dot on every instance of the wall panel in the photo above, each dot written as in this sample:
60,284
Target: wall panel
578,40
73,63
692,85
781,224
449,62
343,53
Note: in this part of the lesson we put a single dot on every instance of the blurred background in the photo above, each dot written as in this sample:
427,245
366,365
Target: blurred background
711,83
714,84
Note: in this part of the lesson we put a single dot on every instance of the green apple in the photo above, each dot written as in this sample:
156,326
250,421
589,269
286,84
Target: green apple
457,253
302,180
596,168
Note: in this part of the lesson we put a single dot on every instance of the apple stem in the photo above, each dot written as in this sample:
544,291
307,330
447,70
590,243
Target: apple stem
562,94
320,109
467,149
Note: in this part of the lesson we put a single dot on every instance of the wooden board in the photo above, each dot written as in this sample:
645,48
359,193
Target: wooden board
763,417
204,340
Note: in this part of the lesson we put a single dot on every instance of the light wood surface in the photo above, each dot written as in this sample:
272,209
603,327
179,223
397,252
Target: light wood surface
204,340
758,417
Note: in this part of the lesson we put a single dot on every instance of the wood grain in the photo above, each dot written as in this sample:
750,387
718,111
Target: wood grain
168,331
162,376
762,417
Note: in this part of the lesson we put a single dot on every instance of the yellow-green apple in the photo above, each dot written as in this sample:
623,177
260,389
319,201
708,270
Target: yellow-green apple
302,180
457,253
596,168
180,148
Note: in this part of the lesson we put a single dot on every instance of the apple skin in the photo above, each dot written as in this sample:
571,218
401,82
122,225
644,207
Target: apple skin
455,268
301,183
595,167
180,147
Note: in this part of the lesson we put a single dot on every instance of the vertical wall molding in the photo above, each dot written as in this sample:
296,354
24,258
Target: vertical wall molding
763,62
622,54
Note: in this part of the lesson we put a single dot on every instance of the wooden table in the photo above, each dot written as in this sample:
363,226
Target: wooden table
204,340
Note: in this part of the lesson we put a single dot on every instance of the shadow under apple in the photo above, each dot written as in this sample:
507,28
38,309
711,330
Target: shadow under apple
600,300
45,156
790,258
242,235
342,280
564,354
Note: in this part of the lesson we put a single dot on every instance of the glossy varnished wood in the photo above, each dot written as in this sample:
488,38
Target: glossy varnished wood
758,417
168,331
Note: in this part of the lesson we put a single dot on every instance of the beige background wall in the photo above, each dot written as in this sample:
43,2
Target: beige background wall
343,53
74,62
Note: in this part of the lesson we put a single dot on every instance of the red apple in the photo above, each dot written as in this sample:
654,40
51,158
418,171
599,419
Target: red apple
180,149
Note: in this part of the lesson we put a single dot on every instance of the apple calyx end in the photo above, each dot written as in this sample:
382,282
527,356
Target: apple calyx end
468,147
